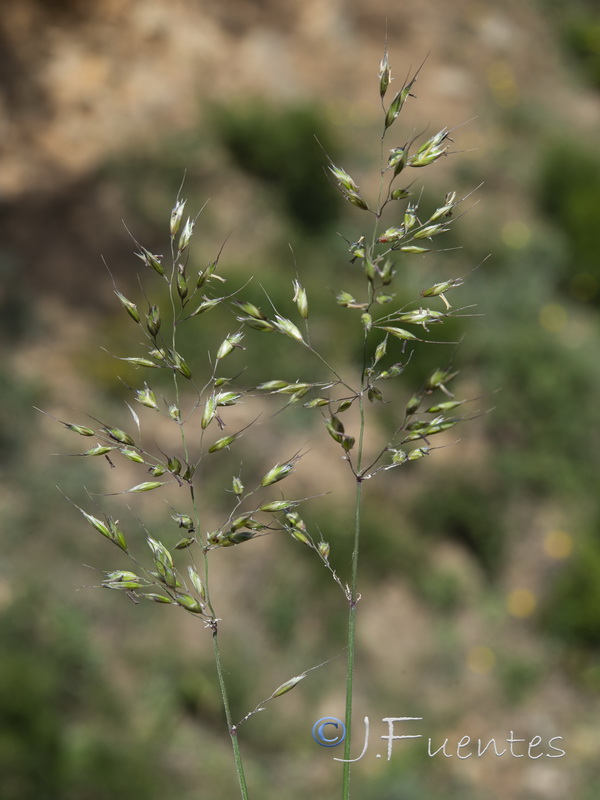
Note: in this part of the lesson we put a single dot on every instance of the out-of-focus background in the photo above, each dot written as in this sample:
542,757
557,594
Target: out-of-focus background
481,564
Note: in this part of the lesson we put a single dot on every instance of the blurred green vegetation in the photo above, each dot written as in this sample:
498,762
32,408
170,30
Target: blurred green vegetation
464,510
572,613
578,24
286,149
569,186
63,731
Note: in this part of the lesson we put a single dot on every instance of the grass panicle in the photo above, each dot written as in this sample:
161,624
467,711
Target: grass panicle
200,401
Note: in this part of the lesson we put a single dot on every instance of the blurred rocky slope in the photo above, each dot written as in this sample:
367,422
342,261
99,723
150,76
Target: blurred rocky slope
83,78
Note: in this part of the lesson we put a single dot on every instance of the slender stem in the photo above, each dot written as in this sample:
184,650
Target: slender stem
351,648
231,727
381,182
239,766
354,596
213,621
330,368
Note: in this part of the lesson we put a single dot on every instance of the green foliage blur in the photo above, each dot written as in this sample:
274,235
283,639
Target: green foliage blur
284,149
569,185
579,25
64,733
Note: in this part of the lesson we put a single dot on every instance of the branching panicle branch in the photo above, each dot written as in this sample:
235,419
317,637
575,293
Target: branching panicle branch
198,405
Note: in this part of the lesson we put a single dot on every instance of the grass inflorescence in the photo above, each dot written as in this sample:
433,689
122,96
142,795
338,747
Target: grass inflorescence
199,404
